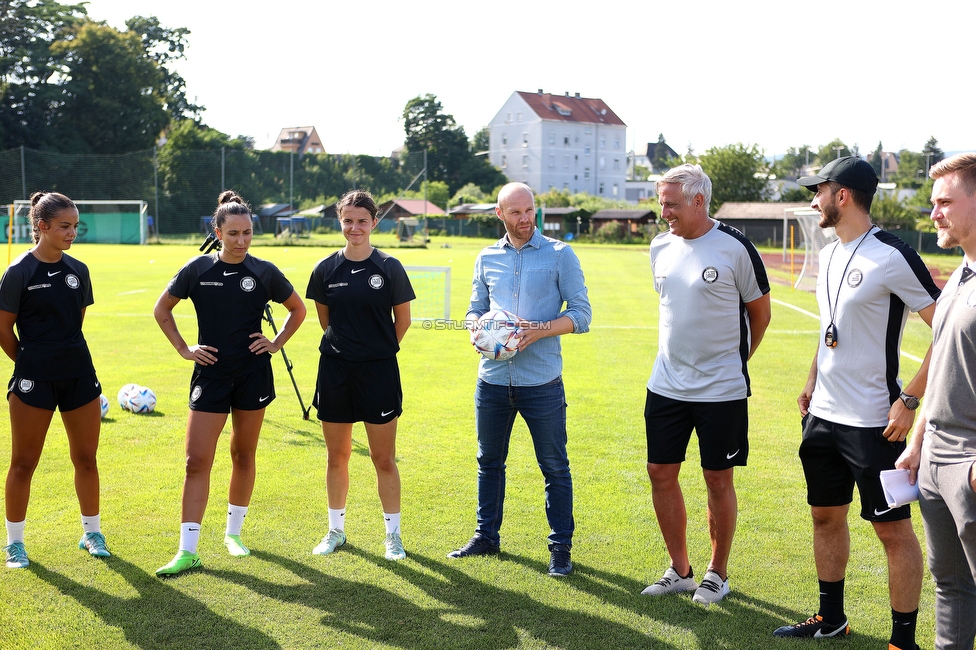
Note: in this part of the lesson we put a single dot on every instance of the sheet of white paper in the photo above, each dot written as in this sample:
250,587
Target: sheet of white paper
897,490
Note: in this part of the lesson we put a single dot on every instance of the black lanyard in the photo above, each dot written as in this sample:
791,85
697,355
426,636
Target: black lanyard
830,336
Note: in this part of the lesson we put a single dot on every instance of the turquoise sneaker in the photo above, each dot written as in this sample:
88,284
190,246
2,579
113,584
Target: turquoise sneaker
94,543
235,546
183,561
333,540
394,547
16,556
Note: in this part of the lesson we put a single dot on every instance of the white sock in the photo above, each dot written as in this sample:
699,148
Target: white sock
92,524
392,521
235,519
337,518
189,536
15,531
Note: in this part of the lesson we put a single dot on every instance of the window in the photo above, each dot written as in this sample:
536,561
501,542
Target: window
504,139
603,163
518,117
552,137
552,160
616,143
603,142
525,139
525,162
616,164
588,130
601,188
586,173
615,190
566,186
509,118
586,150
504,161
565,139
566,161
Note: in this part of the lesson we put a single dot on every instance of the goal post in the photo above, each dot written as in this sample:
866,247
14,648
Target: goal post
99,222
432,285
814,239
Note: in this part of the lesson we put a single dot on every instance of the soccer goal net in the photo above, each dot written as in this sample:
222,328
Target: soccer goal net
101,222
432,284
814,238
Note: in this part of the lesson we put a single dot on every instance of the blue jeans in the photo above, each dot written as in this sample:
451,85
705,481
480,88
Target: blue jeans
544,410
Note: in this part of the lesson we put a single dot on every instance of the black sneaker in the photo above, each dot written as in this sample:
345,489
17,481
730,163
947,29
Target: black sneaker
477,545
559,563
814,627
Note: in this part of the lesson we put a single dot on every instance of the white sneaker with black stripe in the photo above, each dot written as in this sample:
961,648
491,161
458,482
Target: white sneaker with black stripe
671,583
712,589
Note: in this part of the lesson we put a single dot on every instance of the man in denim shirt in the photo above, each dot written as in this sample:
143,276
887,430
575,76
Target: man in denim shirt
531,276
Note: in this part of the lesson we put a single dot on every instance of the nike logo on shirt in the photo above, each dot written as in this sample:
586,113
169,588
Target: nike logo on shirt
354,271
226,273
51,274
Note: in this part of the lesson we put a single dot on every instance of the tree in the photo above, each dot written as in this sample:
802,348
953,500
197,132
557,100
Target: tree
877,160
165,46
481,141
661,156
113,102
932,153
449,157
831,151
793,161
738,173
470,193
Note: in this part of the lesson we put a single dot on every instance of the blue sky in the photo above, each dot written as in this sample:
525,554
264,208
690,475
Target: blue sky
774,74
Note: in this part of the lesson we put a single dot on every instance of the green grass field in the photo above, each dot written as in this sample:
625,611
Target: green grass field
282,596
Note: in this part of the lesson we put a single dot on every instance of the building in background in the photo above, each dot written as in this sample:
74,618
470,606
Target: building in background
562,142
299,139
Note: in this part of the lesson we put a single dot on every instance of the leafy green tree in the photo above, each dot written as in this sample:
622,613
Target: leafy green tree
793,161
113,103
831,151
165,46
795,195
480,140
738,173
641,173
877,159
470,193
911,169
661,156
932,153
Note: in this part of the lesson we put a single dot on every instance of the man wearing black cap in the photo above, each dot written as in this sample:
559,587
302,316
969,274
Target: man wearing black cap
855,414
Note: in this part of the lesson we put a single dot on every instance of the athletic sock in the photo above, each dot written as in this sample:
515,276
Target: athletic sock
235,519
189,536
392,521
903,629
832,601
337,519
15,531
92,524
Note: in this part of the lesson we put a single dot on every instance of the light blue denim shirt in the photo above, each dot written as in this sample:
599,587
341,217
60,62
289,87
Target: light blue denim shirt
533,283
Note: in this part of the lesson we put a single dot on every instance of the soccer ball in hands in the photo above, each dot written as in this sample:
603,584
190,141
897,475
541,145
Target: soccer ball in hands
103,403
496,335
141,400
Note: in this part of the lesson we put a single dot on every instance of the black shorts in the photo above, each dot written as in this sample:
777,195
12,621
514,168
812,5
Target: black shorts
722,428
358,391
252,392
63,394
836,456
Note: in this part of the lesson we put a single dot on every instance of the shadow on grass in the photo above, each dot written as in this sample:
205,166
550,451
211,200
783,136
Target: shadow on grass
160,617
468,614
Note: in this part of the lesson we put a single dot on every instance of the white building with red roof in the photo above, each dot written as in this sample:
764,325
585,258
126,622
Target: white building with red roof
566,142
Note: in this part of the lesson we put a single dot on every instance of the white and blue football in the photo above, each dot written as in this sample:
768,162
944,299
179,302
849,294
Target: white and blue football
103,402
497,335
123,395
141,400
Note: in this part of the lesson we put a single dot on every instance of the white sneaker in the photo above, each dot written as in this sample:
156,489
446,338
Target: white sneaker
712,589
333,540
671,583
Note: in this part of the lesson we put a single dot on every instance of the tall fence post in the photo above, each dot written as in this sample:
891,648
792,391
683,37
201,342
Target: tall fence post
223,185
156,190
23,173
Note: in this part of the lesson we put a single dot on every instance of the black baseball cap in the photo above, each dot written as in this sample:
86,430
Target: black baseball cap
849,171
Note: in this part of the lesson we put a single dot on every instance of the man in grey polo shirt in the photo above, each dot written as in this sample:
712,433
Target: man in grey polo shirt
942,450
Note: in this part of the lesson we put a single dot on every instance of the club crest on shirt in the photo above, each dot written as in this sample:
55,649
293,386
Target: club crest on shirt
72,281
196,393
376,281
248,283
26,385
854,278
710,274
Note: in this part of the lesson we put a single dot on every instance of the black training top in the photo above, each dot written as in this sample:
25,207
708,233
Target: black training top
360,297
48,300
229,300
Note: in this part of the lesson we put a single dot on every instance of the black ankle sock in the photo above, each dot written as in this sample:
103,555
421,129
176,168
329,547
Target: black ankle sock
903,629
832,601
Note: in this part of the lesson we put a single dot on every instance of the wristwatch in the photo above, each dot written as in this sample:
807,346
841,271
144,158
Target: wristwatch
911,402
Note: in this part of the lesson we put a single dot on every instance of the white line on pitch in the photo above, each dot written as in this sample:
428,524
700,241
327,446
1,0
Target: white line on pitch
812,315
129,293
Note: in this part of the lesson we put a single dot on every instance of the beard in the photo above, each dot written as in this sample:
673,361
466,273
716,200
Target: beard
829,215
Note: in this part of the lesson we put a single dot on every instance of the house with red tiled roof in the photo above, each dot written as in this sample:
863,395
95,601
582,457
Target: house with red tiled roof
563,142
299,139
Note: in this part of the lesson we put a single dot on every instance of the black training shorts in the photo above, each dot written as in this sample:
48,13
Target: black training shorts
722,428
